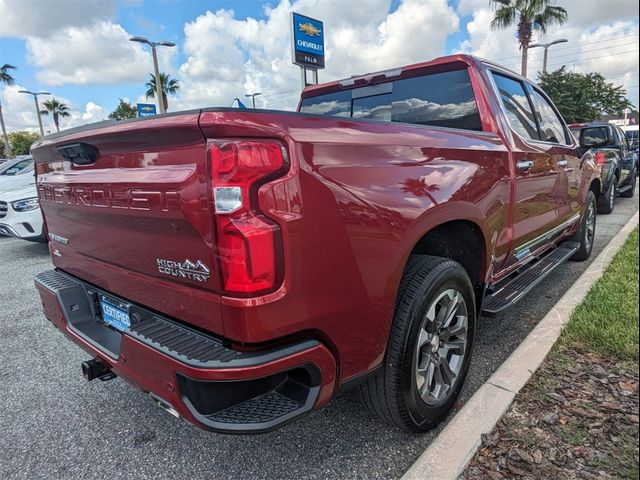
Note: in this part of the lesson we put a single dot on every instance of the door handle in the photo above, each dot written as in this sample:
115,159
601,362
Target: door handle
563,163
524,165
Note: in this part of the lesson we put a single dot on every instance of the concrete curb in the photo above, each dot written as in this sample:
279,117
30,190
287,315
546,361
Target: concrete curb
450,452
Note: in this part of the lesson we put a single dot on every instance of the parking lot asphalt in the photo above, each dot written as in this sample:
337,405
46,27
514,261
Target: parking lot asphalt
55,425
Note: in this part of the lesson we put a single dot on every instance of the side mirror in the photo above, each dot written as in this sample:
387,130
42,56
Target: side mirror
594,137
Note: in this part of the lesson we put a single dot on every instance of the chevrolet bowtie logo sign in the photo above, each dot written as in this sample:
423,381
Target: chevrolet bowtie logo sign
307,41
147,109
309,29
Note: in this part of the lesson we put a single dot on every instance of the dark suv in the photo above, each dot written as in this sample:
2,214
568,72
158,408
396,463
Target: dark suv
617,161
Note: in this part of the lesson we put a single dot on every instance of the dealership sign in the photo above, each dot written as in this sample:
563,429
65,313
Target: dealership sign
307,41
146,109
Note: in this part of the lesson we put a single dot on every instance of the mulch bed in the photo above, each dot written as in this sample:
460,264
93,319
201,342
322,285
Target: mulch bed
577,418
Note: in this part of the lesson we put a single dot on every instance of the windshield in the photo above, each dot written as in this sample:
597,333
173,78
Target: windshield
443,99
17,168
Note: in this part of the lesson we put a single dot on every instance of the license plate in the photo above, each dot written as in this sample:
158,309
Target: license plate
115,316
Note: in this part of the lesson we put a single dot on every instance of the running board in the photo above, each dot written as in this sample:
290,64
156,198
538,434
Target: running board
516,288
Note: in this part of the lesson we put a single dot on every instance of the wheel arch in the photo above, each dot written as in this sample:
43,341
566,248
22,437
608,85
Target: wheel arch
462,240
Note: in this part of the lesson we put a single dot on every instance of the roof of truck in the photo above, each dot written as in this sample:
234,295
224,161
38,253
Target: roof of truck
382,75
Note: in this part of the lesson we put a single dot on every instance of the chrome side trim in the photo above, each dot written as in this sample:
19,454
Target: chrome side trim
547,235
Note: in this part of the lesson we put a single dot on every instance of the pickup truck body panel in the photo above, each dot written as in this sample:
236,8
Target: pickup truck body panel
146,198
357,198
377,188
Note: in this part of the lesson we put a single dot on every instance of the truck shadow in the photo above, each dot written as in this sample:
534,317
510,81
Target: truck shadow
33,249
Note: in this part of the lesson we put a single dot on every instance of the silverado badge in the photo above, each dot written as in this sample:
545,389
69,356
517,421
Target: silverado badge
197,271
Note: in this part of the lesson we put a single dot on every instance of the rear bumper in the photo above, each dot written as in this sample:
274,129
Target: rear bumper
198,376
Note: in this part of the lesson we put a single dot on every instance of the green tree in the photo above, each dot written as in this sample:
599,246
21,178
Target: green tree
168,85
123,111
528,16
21,141
583,97
57,110
5,76
7,79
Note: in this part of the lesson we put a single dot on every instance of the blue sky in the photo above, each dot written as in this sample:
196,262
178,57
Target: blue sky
225,48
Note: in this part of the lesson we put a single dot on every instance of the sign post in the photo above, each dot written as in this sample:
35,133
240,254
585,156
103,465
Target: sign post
307,45
146,109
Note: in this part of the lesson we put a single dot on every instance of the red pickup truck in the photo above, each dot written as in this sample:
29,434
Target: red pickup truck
244,266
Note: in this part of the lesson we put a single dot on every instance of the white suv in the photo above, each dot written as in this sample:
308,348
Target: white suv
20,214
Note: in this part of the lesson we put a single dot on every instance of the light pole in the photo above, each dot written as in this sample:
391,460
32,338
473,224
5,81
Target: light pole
546,48
153,45
253,98
35,100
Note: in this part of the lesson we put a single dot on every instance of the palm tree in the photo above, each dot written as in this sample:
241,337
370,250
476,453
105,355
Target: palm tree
56,109
168,85
528,15
5,76
7,79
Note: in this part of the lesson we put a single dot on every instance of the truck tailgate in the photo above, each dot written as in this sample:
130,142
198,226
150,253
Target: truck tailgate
136,221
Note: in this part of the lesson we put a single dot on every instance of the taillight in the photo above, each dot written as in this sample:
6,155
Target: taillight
600,160
247,240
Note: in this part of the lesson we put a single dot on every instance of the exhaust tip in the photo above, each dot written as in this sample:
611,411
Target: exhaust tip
163,404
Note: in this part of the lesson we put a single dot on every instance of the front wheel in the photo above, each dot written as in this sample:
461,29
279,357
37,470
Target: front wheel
429,347
587,232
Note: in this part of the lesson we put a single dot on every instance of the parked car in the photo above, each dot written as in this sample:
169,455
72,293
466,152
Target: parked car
618,163
245,266
20,214
17,173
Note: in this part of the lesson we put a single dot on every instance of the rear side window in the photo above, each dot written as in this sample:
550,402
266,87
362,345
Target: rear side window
336,104
594,135
551,126
442,99
517,107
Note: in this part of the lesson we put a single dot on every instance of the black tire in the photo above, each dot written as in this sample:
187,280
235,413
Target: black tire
630,192
393,393
582,236
607,200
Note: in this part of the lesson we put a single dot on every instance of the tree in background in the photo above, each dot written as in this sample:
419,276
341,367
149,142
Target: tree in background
7,79
21,141
168,85
583,97
57,110
123,111
527,15
5,76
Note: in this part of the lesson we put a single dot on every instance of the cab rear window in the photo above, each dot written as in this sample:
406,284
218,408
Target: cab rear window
441,99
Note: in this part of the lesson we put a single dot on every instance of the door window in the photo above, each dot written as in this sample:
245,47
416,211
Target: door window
551,126
516,106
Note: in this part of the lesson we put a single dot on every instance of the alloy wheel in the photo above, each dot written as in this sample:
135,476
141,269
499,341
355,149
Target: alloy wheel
591,224
441,346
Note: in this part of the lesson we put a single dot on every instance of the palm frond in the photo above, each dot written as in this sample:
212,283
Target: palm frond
504,17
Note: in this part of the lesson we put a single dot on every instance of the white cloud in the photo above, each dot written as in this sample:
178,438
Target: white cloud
20,113
601,38
227,57
101,54
22,18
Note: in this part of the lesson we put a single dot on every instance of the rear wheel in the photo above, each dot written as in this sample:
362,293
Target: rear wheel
630,192
587,232
429,347
608,199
